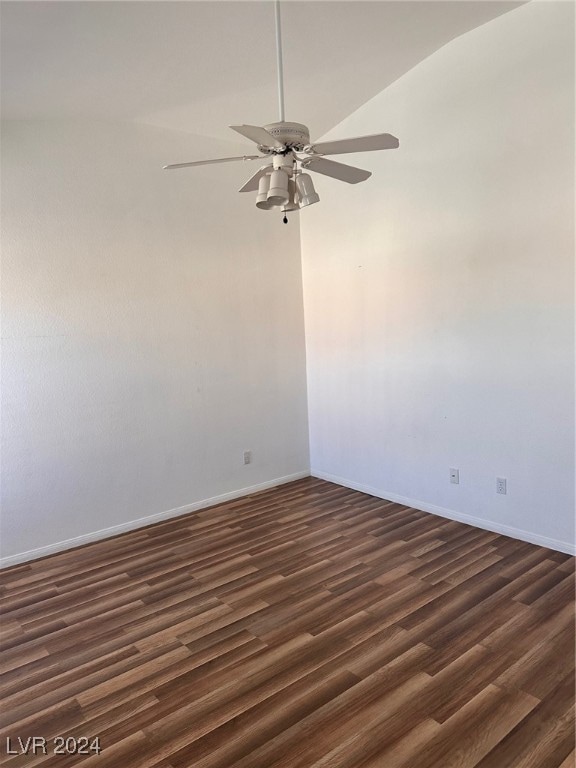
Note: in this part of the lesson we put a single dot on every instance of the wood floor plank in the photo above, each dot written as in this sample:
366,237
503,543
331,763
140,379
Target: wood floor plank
544,738
240,736
306,626
370,750
474,730
570,761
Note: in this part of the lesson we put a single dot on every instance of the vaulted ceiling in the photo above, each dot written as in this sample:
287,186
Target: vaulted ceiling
197,67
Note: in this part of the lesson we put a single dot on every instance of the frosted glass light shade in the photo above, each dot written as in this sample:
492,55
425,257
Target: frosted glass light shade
292,204
278,192
262,196
307,195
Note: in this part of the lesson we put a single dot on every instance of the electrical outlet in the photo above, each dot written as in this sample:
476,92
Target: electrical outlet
247,457
501,485
455,476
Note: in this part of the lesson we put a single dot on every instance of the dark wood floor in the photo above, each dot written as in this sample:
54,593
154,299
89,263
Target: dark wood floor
309,626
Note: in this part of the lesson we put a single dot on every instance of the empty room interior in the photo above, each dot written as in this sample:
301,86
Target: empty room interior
288,347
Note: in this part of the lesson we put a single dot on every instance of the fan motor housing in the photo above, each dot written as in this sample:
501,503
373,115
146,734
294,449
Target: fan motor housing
293,135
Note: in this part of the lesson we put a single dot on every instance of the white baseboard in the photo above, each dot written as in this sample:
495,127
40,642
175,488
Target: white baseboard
515,533
105,533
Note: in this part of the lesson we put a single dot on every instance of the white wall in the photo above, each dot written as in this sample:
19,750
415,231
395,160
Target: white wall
439,294
153,322
153,331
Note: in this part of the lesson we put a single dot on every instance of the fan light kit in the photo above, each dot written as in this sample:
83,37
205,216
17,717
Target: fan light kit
282,182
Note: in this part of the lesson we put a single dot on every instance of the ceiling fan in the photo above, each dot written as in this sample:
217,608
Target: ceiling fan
281,182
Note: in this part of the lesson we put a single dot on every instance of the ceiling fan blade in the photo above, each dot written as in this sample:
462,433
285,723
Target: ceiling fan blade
257,134
337,170
211,162
358,144
252,183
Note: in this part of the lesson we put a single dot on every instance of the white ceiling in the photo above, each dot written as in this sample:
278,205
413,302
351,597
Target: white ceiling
199,66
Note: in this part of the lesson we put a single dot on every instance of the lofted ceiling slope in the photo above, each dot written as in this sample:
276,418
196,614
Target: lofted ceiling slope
197,67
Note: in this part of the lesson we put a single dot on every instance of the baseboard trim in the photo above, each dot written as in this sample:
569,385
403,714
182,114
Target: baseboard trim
106,533
488,525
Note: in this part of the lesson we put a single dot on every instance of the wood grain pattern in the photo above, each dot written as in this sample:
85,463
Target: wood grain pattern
308,626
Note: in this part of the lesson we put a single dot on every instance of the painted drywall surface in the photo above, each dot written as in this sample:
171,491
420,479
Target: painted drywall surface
439,293
152,331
